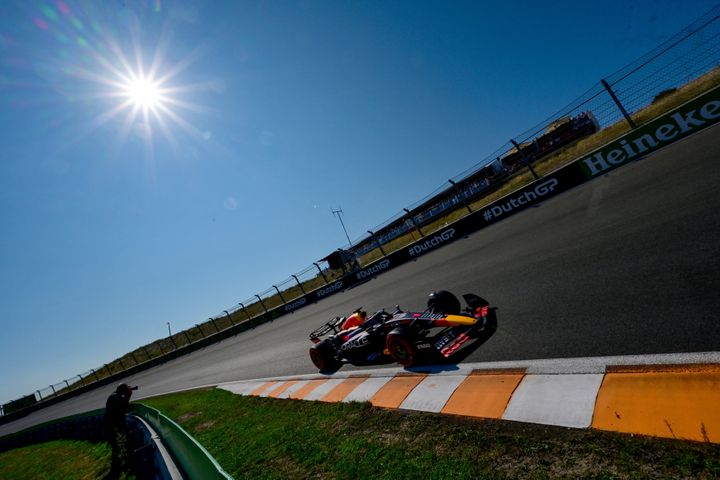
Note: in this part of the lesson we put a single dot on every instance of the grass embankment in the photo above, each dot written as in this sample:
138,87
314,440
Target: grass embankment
57,460
268,438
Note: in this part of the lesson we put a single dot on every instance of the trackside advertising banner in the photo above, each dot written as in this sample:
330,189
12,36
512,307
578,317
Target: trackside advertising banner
683,121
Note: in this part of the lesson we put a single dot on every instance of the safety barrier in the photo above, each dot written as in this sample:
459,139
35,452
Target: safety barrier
192,457
85,426
144,454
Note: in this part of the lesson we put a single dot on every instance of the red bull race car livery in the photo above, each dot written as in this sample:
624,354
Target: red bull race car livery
407,338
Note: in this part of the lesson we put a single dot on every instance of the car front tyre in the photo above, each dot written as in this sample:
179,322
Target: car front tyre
401,350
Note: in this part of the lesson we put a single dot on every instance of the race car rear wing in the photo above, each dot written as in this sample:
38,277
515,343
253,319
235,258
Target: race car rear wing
333,326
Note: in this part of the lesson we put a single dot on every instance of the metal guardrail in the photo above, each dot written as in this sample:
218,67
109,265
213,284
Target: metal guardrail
616,104
148,458
195,461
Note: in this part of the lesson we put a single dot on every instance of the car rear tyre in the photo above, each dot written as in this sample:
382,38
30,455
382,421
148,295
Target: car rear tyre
323,356
401,350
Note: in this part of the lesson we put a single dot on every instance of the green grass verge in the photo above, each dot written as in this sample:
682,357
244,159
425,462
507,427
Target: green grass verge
266,438
57,460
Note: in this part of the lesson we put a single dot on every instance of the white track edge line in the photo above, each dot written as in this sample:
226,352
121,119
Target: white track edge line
554,366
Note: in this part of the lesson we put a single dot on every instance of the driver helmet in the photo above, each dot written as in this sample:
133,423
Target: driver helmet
442,301
354,320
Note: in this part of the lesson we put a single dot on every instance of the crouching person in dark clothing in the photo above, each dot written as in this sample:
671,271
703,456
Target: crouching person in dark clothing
116,431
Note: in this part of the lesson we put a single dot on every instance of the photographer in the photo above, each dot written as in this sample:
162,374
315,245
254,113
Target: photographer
116,431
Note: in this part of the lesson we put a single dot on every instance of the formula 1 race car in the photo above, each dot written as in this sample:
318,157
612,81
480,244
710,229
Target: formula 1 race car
404,337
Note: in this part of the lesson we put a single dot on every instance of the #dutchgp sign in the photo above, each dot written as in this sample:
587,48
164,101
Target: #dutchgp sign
373,270
434,242
528,197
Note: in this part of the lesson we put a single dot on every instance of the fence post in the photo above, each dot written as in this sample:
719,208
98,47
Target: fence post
462,195
186,337
377,242
246,312
53,389
299,284
200,328
39,394
82,381
525,157
261,302
68,385
619,105
321,272
227,314
412,219
281,297
214,324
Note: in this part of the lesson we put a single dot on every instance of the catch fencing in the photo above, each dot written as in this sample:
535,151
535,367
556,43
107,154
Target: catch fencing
676,71
682,67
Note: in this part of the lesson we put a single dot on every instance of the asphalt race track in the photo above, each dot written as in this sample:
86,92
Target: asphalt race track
628,263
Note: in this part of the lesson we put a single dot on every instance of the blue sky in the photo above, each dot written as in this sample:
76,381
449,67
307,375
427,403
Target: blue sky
113,225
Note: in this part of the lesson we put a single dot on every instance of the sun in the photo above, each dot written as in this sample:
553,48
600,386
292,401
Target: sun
143,93
147,98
